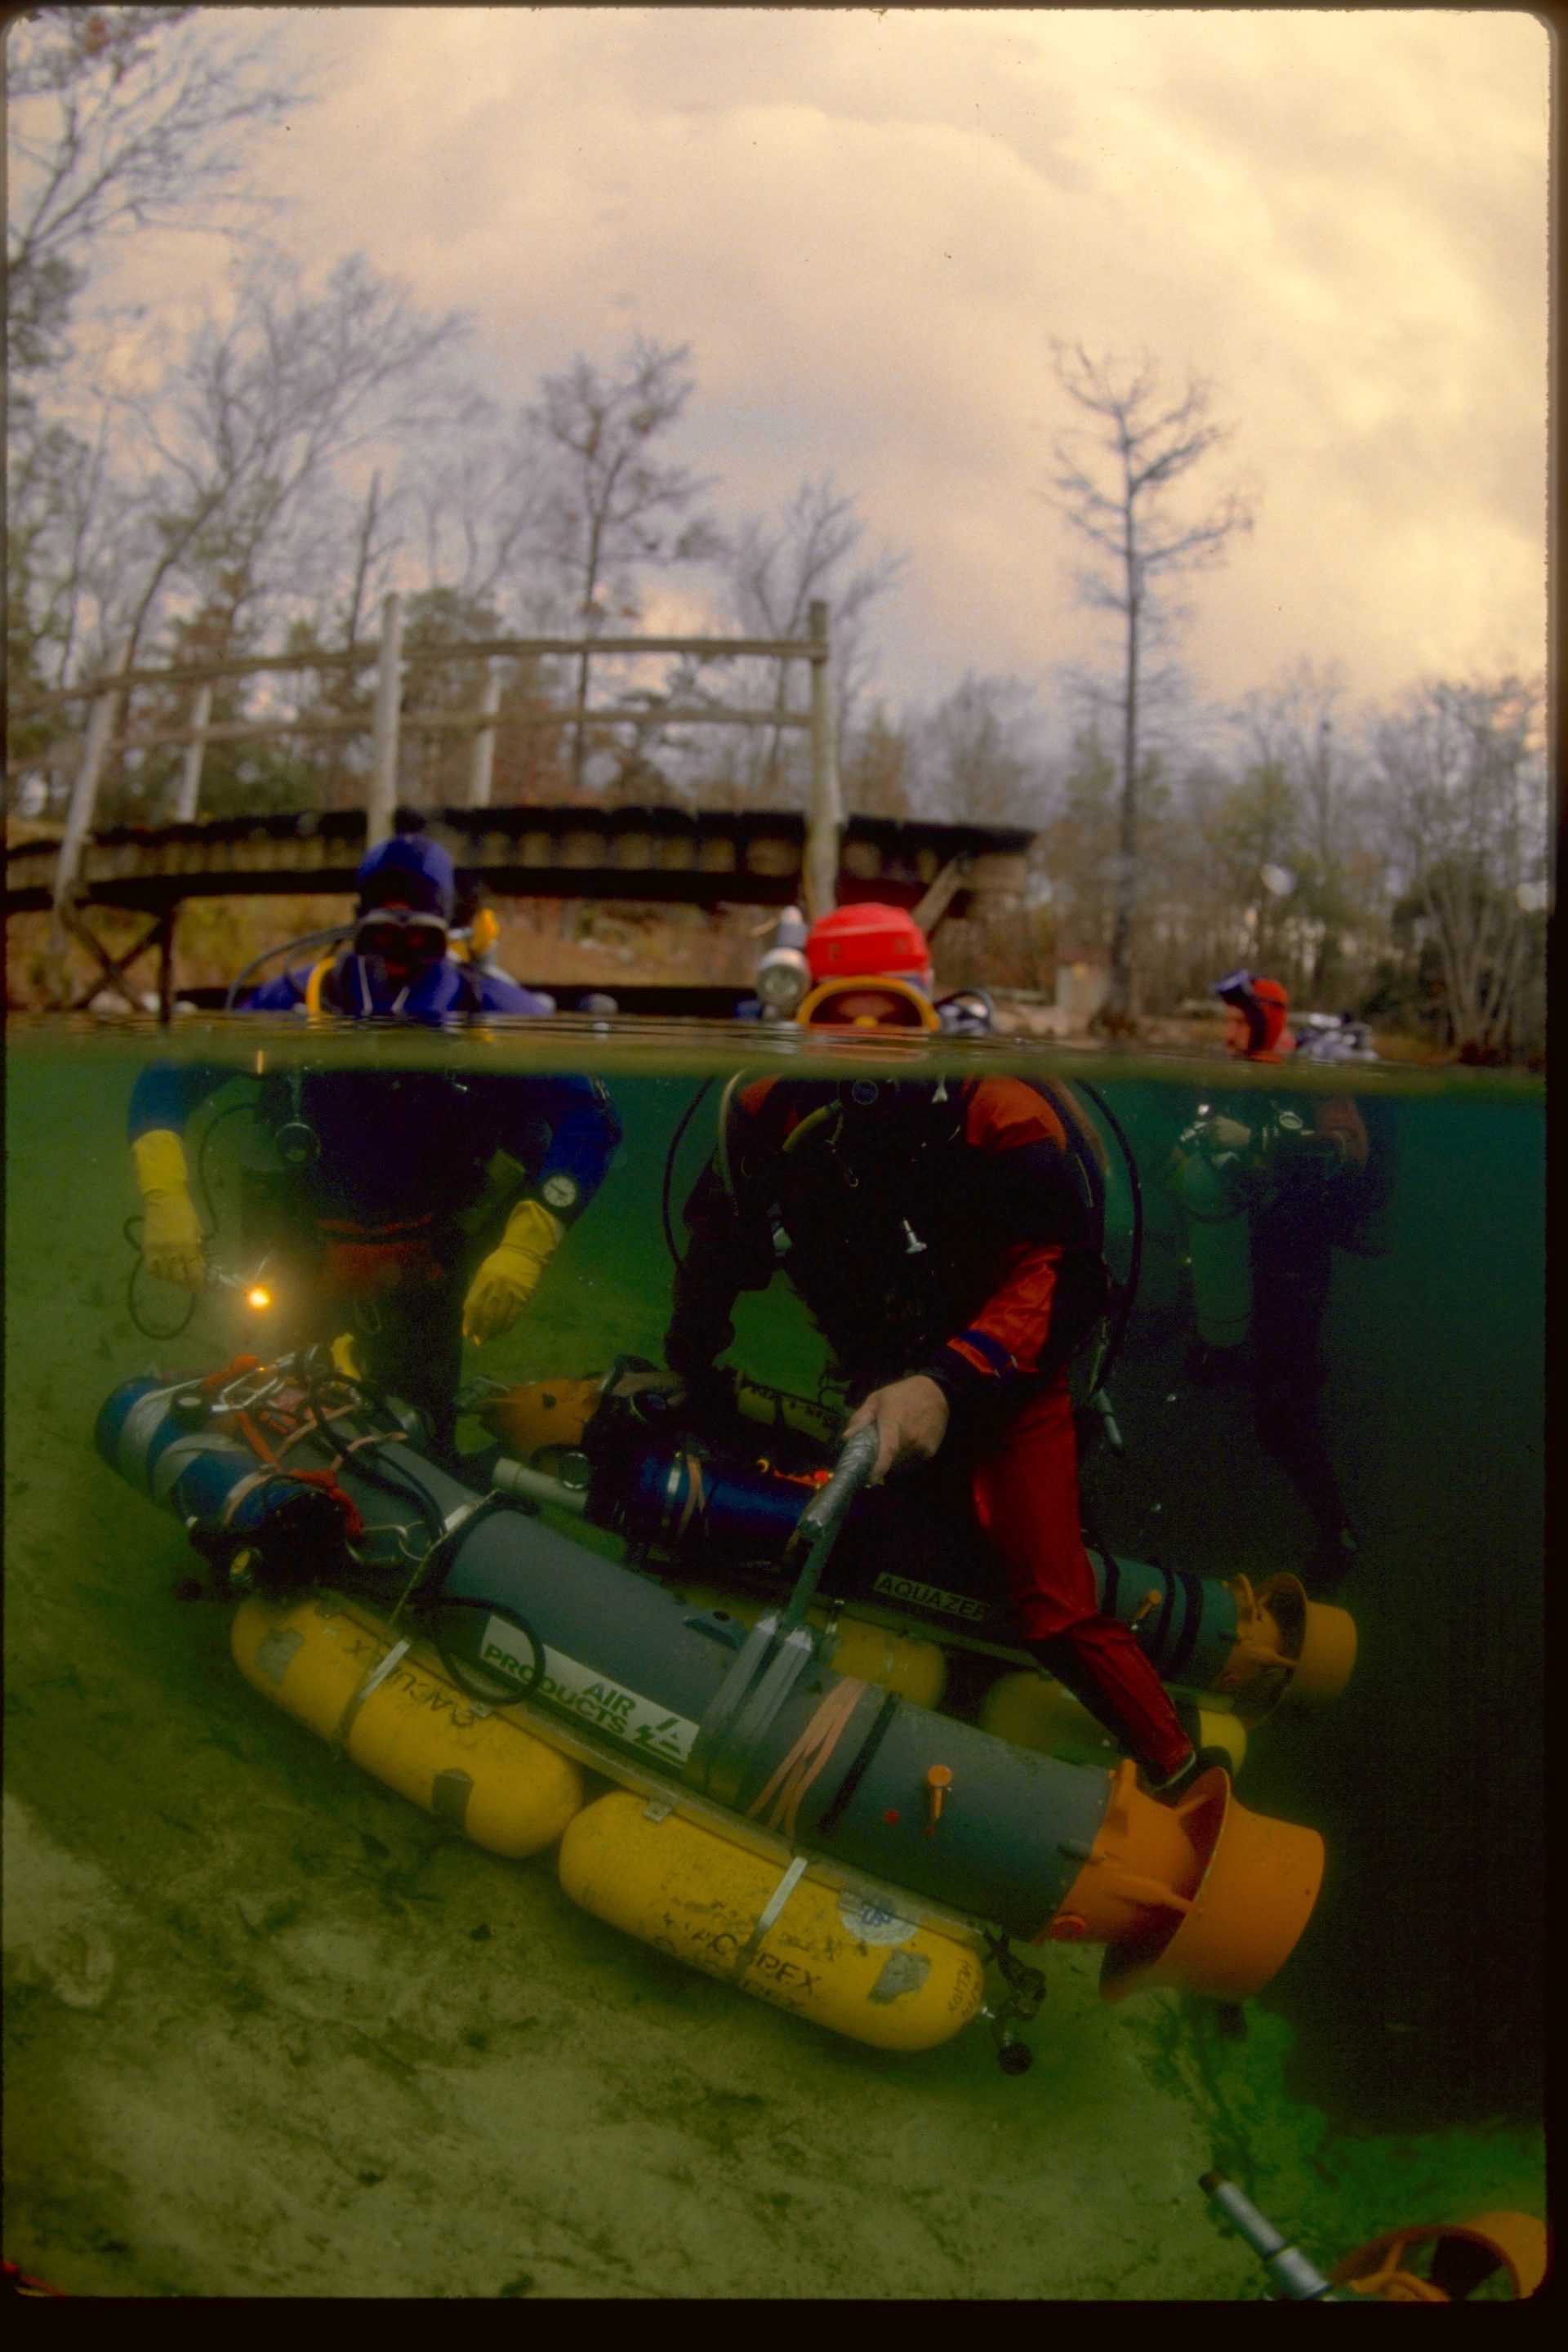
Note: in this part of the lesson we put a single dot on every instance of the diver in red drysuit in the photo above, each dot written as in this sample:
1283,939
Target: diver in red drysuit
945,1236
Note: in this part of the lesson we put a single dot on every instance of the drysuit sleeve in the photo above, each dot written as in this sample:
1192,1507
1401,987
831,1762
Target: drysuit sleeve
564,1131
284,995
725,1255
166,1094
1038,1205
1009,1334
498,993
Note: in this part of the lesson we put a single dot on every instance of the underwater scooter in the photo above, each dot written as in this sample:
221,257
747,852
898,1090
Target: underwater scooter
1438,2262
706,1513
808,1834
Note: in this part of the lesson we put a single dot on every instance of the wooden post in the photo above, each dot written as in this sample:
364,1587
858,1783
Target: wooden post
191,773
483,760
941,894
381,800
820,865
166,965
78,816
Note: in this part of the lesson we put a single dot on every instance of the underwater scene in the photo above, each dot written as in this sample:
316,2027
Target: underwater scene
586,1717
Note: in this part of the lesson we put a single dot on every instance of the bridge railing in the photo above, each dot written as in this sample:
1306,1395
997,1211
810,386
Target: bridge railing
106,731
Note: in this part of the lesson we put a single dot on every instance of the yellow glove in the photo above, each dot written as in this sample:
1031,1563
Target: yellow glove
345,1355
171,1231
506,1281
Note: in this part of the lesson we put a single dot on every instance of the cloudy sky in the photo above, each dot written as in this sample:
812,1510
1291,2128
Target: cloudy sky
869,224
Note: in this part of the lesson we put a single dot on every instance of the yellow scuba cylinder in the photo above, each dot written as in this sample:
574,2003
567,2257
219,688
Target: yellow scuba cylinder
821,1952
337,1667
1205,1180
1033,1710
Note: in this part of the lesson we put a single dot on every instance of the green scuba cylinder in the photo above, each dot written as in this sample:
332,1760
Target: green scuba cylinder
1204,1173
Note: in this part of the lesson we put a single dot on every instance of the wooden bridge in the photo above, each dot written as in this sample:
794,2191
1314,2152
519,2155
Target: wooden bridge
662,855
705,857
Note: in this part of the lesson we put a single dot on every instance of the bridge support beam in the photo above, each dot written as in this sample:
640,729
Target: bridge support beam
824,818
381,800
114,968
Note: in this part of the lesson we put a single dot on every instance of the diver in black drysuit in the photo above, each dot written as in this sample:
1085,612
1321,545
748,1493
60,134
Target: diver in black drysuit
1304,1216
1315,1173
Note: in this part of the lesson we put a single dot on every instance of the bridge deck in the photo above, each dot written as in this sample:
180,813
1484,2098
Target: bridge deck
669,856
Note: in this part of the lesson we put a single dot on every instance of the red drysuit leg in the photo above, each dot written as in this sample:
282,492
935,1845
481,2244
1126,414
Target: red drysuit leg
1026,1495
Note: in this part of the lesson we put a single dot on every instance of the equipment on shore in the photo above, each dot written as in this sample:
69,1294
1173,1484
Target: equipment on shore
805,1832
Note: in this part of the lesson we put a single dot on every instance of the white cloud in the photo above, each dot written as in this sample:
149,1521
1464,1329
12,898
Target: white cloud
869,227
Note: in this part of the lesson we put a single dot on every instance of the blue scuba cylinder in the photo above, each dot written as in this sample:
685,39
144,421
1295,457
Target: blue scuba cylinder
216,1486
208,1481
676,1500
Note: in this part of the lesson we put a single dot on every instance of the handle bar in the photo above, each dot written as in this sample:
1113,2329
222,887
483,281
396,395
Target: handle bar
816,1529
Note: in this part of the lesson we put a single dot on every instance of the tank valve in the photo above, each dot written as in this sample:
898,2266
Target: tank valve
1025,1991
1012,2055
243,1567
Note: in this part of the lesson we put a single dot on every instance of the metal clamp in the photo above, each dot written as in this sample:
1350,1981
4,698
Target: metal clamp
766,1916
251,1389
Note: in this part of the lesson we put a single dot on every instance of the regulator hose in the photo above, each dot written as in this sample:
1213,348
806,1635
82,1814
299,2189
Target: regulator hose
686,1116
286,947
1124,1315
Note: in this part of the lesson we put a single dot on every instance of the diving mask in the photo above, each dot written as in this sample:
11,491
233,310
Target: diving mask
400,936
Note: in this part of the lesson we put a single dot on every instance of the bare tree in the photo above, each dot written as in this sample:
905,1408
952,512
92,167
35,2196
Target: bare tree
1116,495
238,462
120,120
1462,779
977,755
776,568
611,506
484,501
1300,727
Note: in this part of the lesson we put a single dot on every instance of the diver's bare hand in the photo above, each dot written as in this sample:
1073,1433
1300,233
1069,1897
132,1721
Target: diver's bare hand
910,1416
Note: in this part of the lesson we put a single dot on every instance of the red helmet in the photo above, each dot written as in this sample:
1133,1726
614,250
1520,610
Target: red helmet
865,939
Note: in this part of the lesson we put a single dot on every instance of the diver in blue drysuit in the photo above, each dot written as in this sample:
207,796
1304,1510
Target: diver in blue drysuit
383,1222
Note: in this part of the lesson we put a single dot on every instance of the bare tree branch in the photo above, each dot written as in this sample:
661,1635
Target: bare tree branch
1142,443
121,119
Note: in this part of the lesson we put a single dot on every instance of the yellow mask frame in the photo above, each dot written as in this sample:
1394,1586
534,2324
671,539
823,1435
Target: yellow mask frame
917,1011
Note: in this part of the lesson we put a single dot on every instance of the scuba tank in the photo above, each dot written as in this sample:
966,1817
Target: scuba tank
783,975
1208,1176
1443,2261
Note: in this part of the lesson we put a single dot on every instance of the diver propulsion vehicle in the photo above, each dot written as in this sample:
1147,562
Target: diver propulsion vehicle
718,1520
808,1835
1495,2256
